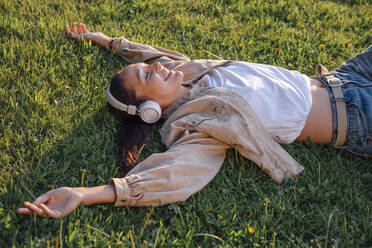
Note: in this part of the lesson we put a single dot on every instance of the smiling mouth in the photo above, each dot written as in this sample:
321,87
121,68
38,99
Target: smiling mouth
168,75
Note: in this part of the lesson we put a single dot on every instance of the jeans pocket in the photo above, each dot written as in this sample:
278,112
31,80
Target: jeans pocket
357,130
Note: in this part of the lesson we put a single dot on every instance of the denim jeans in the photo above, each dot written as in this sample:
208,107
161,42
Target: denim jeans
356,78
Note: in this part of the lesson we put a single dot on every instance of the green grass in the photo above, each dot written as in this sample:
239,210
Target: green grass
55,126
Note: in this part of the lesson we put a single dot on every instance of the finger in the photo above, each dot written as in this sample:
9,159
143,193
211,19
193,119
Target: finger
73,28
42,199
79,28
24,211
33,208
49,212
85,28
68,31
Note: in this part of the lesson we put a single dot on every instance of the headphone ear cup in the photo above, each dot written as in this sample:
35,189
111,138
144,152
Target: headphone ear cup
149,111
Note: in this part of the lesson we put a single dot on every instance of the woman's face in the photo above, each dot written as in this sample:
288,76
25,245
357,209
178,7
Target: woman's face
154,82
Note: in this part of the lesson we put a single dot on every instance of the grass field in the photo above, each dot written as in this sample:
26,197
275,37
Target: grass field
56,130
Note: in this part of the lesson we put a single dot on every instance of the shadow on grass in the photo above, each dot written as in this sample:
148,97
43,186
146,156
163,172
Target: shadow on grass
333,183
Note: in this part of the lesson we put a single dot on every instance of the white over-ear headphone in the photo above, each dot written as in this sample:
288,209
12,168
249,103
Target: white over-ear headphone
149,111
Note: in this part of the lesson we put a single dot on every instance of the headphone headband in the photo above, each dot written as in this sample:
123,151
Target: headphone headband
130,109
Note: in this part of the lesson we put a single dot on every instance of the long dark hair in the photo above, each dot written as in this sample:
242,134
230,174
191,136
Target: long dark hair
133,131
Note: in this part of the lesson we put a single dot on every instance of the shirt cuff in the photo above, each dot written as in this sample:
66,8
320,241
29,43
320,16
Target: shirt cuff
122,196
117,43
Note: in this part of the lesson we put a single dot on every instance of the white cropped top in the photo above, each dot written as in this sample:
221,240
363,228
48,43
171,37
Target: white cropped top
281,98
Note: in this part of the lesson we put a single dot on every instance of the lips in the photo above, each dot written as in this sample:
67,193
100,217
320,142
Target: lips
169,74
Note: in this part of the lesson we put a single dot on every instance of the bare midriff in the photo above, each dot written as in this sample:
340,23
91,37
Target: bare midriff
319,123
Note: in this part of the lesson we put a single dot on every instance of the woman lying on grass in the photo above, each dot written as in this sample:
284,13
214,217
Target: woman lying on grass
210,106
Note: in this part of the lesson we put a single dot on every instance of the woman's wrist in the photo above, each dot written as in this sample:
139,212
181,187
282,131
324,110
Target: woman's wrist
95,195
110,44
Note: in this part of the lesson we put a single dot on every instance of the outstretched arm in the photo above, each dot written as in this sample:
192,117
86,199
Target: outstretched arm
60,202
162,178
132,52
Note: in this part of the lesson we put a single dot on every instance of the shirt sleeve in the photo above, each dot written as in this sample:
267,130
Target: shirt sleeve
134,52
173,176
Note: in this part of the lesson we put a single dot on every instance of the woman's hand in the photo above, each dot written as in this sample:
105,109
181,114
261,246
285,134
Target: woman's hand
56,203
81,32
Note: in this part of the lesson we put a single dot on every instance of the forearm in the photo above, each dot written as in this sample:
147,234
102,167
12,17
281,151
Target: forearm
95,195
102,40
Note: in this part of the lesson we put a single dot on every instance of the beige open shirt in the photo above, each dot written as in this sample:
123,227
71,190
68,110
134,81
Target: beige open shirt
198,130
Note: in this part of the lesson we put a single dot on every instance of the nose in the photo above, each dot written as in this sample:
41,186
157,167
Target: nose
157,67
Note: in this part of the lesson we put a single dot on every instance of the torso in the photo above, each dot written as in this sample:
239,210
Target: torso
280,98
319,123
